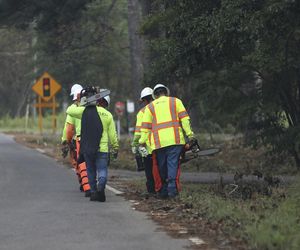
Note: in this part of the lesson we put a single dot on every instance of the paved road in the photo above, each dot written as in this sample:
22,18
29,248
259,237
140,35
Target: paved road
42,209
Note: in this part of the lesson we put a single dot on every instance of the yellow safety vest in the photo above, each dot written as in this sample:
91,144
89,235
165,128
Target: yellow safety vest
74,121
109,134
137,130
165,119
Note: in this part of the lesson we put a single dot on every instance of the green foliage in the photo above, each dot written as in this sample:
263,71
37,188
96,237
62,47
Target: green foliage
264,222
9,124
236,61
47,13
92,50
15,70
82,42
280,229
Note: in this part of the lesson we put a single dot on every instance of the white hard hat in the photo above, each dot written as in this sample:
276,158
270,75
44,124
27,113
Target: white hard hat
145,92
106,98
158,86
75,90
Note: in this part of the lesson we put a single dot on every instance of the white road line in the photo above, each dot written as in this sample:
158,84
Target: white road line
40,150
197,240
183,231
109,187
113,190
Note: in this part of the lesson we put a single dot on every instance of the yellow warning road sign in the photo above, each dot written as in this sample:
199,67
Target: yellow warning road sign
46,86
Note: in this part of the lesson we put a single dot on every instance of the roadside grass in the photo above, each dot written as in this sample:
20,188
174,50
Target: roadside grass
235,215
280,228
263,222
271,223
18,124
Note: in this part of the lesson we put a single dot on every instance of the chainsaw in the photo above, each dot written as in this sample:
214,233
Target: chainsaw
90,97
192,151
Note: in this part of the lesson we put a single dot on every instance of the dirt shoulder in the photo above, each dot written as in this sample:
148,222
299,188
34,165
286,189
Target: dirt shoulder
179,218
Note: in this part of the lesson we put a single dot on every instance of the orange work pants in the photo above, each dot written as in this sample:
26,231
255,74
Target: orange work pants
157,178
82,170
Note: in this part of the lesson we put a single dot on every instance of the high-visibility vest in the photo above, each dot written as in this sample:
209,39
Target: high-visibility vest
109,135
73,121
137,130
139,120
163,118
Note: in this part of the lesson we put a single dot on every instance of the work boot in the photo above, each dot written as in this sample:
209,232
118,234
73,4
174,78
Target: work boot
173,196
87,193
163,195
101,196
94,196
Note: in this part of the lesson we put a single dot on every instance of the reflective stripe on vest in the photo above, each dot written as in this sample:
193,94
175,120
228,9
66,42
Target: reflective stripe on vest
174,119
182,114
174,123
146,125
137,129
165,125
154,123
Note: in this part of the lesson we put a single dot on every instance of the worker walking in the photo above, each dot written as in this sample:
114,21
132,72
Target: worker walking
145,156
71,139
164,120
97,132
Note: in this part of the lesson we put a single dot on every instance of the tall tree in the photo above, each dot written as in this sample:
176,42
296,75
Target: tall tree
85,43
15,73
220,48
135,43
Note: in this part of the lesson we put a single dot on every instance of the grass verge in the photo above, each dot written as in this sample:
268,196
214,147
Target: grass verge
280,227
263,222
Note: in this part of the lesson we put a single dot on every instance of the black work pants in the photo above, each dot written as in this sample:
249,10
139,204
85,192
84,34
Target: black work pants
149,175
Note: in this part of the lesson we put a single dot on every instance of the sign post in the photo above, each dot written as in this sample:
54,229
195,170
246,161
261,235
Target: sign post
40,114
119,109
46,87
54,114
129,111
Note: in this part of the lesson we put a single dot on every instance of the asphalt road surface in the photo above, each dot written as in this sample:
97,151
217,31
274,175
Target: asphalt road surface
41,208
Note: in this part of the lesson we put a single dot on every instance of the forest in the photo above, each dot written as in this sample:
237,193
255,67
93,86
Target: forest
234,63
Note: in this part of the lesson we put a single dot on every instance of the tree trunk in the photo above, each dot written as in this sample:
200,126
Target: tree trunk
22,100
146,7
135,44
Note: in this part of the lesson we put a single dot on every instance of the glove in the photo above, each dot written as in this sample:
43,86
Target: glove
134,150
192,141
142,151
64,149
113,155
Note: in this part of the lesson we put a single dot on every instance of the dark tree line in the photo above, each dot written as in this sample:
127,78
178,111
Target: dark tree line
76,41
233,62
